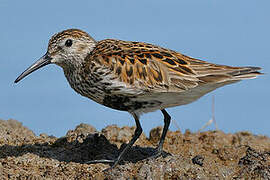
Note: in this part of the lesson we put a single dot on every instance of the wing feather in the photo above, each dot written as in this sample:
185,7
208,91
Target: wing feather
153,68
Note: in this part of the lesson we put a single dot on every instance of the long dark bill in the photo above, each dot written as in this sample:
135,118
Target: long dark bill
43,61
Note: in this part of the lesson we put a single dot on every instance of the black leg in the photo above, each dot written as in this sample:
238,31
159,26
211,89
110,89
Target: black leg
159,150
138,132
167,121
136,135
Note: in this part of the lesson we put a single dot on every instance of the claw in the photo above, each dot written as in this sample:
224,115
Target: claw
159,153
108,161
100,161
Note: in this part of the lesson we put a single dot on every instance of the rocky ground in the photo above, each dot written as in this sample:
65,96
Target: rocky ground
205,155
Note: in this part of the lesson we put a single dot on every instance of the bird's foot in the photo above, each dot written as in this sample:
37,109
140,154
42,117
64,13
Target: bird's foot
109,161
157,153
112,162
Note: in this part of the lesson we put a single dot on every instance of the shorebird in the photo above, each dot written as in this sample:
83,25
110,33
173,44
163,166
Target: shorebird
135,77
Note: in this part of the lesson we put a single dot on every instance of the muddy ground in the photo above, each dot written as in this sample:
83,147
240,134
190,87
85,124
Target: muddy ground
205,155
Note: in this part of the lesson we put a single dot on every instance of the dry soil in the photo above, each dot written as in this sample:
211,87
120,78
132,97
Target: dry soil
204,155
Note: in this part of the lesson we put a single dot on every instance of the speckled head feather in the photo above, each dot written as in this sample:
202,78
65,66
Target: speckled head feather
74,33
64,55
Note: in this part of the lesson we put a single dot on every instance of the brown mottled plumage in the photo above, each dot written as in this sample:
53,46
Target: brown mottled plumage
156,69
134,76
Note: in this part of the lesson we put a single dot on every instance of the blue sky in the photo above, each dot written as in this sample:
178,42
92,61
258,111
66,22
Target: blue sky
224,32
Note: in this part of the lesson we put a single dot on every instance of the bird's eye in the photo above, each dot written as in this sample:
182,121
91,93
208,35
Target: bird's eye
68,43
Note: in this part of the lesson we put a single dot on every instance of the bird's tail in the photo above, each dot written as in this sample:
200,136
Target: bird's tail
245,73
228,74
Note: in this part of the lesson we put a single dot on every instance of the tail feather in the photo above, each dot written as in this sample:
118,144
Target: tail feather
231,75
245,73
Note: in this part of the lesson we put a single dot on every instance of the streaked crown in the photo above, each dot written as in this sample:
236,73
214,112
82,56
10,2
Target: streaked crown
69,47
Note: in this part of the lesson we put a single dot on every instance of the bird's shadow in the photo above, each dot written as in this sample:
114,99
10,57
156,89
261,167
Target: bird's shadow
93,147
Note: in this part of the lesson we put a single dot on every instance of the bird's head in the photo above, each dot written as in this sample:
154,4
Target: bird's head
67,49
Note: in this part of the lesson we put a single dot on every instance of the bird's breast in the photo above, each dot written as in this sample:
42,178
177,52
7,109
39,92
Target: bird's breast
89,87
108,91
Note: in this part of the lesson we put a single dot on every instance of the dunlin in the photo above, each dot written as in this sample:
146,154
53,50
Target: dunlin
135,77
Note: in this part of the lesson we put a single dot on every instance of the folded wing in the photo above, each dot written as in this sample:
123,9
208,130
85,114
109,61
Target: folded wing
157,69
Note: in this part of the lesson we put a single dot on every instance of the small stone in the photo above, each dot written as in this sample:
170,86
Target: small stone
198,160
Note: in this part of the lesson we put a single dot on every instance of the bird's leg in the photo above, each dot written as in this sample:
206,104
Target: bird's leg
136,135
167,121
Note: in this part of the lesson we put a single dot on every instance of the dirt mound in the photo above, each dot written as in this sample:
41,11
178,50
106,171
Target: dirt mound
205,155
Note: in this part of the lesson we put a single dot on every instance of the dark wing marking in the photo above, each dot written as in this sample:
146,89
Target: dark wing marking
151,67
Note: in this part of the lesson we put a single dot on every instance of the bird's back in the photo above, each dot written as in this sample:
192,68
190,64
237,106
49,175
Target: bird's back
153,68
